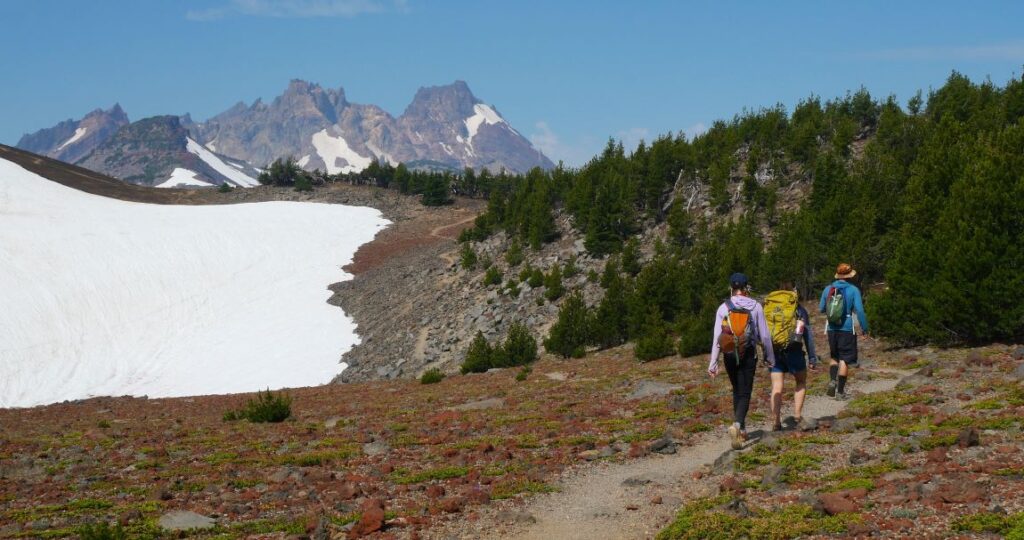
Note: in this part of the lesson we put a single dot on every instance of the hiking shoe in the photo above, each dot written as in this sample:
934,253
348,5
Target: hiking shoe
737,436
803,425
831,392
841,396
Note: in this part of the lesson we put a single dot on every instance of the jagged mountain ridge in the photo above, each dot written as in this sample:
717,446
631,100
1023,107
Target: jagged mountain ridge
158,151
322,129
72,140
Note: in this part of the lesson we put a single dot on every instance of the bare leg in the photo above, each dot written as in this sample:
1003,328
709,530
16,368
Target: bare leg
843,368
777,380
799,393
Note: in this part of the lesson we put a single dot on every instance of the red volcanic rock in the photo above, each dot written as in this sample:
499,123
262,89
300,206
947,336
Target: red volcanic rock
452,504
371,519
836,503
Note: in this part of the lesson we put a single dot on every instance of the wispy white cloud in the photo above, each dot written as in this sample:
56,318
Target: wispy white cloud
555,147
297,8
631,137
697,129
1011,50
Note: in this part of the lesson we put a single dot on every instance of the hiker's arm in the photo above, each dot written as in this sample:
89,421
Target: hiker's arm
809,338
719,315
862,318
824,297
765,335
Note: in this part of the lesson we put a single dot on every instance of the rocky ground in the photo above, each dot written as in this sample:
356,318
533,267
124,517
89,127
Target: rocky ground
940,455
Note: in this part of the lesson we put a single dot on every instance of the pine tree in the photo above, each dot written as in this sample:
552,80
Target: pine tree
654,341
610,325
479,356
570,333
553,284
435,193
520,348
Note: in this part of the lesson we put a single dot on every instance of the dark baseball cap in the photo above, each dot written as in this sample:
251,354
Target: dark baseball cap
738,280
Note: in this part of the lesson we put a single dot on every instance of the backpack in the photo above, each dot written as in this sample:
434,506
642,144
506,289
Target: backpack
780,312
835,306
737,330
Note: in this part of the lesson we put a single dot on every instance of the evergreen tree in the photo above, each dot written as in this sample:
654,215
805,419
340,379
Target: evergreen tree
435,193
570,334
553,284
610,323
479,355
654,341
467,257
520,348
631,257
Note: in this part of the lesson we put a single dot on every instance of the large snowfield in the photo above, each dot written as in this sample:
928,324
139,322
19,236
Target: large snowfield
105,297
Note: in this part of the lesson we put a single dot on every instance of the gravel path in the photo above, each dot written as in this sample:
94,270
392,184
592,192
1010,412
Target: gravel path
620,501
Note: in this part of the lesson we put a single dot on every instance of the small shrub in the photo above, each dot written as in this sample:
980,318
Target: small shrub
265,407
523,373
492,276
432,376
571,332
102,531
225,188
514,255
536,278
553,284
467,257
103,424
570,269
302,183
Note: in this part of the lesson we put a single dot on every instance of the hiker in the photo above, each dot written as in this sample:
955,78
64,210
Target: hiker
739,325
838,301
789,324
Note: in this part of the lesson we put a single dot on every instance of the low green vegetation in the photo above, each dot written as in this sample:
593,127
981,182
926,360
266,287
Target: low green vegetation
402,476
432,376
267,406
708,519
1012,526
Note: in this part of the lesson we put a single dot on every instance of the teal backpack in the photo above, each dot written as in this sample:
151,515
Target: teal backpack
835,306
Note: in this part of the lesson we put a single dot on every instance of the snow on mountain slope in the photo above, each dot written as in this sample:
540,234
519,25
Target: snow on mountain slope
182,177
233,175
482,114
106,297
331,148
79,132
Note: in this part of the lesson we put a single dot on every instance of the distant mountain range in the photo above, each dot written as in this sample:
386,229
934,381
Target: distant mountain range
443,127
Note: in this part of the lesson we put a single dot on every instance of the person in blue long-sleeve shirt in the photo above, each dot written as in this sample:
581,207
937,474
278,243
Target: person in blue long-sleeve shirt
842,341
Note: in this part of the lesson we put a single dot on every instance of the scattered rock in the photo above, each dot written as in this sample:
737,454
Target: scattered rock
730,484
184,520
589,455
510,516
773,476
656,499
555,375
452,505
936,455
371,519
649,388
677,402
724,462
858,456
845,425
1018,354
808,424
1019,372
836,503
663,445
636,481
332,421
737,507
376,448
968,437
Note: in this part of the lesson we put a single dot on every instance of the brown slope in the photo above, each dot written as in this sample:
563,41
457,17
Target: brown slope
92,182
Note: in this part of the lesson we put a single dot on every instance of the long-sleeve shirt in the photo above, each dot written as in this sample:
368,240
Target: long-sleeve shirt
853,303
760,328
802,314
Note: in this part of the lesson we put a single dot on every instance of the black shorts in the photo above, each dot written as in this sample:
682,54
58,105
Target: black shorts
843,346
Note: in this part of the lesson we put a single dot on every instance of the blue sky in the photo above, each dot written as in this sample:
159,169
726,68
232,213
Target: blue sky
567,74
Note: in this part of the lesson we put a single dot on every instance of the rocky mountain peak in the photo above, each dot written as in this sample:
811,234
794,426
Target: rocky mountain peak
450,101
71,140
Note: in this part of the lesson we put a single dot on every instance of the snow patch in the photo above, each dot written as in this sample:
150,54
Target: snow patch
183,177
233,175
238,166
212,145
380,153
482,114
302,162
107,297
79,133
447,149
331,148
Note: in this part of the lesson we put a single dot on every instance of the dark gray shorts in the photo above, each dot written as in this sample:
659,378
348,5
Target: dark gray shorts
843,346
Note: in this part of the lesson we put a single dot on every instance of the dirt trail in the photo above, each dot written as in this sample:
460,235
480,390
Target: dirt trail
593,503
